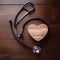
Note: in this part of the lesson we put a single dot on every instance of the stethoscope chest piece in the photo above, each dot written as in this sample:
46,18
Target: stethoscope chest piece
36,49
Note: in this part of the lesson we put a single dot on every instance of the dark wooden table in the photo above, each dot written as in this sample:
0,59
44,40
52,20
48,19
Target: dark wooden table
10,49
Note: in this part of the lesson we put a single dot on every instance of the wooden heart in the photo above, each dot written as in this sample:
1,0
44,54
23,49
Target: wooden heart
38,32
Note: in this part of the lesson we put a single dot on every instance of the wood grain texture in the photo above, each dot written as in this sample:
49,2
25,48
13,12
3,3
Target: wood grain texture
38,32
23,1
10,49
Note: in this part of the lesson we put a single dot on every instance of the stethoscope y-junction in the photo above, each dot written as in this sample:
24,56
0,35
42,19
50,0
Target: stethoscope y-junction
36,49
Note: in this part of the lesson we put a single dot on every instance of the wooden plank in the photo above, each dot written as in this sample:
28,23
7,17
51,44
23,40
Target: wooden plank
23,1
48,13
6,12
10,49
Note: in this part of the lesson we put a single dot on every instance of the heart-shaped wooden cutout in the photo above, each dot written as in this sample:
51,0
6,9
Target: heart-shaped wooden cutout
38,32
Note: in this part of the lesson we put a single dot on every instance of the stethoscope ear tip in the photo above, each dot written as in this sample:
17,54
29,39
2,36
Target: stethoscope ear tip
10,22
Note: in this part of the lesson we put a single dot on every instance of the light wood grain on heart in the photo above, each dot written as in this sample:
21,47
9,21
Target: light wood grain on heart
38,32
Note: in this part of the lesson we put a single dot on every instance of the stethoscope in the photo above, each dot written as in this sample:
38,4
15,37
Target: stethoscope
36,49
